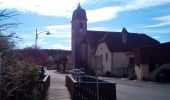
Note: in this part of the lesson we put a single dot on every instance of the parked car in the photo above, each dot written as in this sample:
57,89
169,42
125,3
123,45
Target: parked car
77,72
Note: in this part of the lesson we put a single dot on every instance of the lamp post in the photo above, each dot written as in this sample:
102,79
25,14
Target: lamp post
36,38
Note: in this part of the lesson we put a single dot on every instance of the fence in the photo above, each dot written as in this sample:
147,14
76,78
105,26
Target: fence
86,89
45,83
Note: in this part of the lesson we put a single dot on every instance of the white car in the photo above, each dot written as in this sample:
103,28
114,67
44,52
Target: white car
77,72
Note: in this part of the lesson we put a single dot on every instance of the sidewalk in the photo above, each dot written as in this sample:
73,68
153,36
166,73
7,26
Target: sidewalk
57,89
126,80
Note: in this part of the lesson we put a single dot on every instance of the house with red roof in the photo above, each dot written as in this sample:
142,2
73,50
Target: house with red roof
103,51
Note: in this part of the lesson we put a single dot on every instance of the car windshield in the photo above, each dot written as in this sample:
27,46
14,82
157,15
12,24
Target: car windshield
76,70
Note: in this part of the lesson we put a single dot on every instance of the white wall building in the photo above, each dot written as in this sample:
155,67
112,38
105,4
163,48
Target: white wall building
113,50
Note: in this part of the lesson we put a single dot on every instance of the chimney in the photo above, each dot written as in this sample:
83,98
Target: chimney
124,35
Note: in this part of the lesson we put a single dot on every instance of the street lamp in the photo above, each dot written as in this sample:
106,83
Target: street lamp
36,38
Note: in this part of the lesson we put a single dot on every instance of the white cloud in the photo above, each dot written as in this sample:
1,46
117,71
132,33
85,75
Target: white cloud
158,25
163,21
64,8
56,34
102,14
25,36
156,37
43,7
61,46
68,41
54,27
59,35
59,31
163,18
138,4
107,13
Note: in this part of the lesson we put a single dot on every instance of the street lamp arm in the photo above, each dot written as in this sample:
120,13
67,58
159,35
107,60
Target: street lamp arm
47,32
36,37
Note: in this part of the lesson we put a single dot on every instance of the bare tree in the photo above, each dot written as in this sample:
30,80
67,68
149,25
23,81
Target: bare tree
16,76
5,16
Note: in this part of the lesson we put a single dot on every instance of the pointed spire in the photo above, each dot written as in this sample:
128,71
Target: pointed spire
79,13
78,2
79,5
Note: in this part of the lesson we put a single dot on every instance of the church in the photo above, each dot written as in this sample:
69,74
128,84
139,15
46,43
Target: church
87,45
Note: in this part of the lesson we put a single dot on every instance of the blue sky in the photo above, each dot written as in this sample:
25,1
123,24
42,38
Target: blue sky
151,17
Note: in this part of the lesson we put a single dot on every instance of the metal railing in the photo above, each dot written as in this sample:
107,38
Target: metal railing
86,89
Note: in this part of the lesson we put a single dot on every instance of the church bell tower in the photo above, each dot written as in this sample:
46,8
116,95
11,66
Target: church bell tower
79,30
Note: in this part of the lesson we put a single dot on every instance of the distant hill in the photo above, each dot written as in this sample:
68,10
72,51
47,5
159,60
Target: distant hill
56,51
50,52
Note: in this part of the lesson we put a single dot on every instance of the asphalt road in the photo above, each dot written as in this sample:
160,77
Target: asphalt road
139,90
126,89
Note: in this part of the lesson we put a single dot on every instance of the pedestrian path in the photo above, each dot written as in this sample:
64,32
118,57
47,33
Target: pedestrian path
57,89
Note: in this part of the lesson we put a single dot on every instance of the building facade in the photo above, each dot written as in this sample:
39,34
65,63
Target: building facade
79,43
103,50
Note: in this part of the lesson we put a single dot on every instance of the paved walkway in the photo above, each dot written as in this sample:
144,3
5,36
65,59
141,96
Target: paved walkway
57,89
